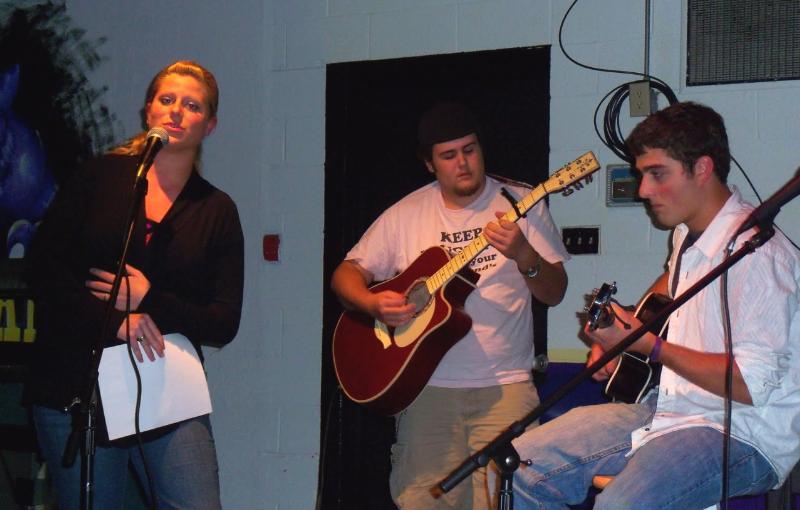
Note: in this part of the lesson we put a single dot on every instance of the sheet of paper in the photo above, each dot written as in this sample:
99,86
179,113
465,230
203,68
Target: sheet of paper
174,387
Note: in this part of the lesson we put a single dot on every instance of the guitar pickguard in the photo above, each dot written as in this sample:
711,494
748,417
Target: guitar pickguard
406,334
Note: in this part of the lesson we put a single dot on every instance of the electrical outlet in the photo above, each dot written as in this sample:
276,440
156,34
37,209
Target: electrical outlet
640,98
581,240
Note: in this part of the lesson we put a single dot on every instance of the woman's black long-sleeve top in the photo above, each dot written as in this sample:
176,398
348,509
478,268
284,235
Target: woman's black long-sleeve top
194,261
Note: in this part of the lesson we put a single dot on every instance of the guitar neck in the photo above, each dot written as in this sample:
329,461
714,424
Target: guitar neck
438,279
564,179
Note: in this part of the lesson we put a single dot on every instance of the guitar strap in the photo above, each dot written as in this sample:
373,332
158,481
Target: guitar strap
688,241
539,311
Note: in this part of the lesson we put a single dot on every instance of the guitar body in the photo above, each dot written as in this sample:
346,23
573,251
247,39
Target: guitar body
635,375
632,379
386,368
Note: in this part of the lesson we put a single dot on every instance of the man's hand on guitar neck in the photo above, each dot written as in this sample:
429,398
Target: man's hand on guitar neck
507,237
624,323
550,282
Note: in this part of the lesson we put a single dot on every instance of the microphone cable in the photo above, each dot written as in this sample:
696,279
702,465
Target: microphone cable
138,432
728,417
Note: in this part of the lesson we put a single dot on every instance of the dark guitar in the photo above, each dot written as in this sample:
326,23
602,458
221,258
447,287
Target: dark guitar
634,375
385,368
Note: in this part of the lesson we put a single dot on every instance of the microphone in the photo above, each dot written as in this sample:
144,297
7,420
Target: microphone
767,211
157,138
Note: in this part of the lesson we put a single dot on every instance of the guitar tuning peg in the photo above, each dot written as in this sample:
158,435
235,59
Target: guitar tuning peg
586,309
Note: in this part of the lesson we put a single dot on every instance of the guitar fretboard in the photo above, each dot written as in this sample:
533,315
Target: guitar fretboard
567,175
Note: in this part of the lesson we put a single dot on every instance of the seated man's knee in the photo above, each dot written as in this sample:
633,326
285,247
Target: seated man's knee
610,501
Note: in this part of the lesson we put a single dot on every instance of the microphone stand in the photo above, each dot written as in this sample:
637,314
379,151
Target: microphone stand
85,419
500,448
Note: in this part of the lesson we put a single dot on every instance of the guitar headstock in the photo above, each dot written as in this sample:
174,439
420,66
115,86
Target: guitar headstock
597,311
574,175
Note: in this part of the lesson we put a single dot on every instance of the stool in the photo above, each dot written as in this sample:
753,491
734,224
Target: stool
599,482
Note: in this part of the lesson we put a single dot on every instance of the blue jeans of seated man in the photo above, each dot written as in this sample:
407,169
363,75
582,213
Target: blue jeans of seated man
680,470
182,462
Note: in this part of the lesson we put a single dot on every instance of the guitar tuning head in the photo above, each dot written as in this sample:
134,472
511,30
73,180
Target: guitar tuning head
586,309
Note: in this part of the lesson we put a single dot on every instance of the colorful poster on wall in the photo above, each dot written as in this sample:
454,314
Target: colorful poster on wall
51,120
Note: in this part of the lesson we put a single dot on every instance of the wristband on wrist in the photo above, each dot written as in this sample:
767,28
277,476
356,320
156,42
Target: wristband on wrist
655,354
533,271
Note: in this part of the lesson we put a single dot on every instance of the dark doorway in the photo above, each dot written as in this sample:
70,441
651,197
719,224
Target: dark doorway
371,117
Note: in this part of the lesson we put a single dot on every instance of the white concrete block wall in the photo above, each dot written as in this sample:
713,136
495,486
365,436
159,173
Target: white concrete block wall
347,38
511,23
270,57
295,202
419,30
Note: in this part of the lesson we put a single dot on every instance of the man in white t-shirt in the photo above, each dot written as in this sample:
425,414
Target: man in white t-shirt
483,383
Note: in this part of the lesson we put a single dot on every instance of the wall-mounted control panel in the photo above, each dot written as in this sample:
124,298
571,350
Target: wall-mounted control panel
622,186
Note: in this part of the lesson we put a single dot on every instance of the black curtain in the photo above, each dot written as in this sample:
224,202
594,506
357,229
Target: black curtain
372,109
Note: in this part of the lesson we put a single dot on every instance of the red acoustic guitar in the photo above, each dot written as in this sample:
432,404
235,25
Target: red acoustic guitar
385,368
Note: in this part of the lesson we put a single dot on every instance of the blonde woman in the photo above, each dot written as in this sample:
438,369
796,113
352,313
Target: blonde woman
185,275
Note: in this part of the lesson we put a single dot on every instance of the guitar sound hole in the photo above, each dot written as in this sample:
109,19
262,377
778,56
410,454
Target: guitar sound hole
419,296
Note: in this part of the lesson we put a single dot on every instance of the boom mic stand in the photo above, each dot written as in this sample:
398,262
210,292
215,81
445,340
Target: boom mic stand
84,420
500,448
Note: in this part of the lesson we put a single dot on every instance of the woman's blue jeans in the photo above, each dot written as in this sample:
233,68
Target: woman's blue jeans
182,462
681,470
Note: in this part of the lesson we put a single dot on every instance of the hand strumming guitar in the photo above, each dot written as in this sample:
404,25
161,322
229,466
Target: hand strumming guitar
391,308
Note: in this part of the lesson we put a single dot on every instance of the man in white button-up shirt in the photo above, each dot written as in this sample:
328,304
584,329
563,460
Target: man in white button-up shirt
666,452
